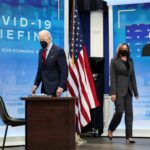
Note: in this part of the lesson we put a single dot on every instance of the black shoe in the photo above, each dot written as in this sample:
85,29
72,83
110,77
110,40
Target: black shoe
110,138
108,135
130,140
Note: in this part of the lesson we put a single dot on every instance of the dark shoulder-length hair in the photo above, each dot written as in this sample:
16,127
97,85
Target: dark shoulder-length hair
119,49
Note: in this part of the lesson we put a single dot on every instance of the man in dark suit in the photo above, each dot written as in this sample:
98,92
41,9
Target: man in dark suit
52,67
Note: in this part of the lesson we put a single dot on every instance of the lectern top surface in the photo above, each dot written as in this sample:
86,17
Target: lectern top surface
46,97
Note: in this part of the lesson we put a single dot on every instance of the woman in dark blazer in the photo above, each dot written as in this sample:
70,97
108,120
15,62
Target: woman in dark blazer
122,87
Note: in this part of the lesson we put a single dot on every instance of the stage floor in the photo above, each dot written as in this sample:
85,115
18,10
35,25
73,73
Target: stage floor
102,143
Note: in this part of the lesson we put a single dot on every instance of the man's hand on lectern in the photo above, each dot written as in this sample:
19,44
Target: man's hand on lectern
34,89
59,91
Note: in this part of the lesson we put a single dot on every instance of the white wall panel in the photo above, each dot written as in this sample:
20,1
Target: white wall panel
96,28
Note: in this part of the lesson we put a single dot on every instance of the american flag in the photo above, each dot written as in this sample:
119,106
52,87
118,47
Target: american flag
80,81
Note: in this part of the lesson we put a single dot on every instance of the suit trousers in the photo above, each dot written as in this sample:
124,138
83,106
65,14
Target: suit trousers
123,104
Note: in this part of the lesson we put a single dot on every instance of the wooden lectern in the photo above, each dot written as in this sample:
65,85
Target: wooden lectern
50,123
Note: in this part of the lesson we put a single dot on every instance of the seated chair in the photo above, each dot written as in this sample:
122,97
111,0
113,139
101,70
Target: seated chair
8,121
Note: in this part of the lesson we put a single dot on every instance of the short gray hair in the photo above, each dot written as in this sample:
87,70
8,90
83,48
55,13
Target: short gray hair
47,33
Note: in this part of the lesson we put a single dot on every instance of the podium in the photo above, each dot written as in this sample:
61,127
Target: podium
50,123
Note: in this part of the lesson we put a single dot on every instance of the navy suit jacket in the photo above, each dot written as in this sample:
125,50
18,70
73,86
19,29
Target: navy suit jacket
54,73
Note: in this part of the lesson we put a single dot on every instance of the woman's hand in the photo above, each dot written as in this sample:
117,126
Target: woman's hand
113,98
137,97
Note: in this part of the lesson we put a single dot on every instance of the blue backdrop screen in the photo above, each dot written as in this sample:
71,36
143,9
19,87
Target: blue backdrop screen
20,22
132,25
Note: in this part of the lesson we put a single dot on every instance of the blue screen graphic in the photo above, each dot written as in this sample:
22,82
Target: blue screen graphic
132,25
20,22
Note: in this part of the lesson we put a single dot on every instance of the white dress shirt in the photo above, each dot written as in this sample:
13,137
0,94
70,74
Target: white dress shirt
48,49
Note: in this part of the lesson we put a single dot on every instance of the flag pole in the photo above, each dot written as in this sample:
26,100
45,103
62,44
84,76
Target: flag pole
73,31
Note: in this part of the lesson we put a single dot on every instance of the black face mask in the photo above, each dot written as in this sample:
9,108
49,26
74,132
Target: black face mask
43,44
124,53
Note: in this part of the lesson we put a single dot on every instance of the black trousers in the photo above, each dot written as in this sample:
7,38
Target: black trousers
123,104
